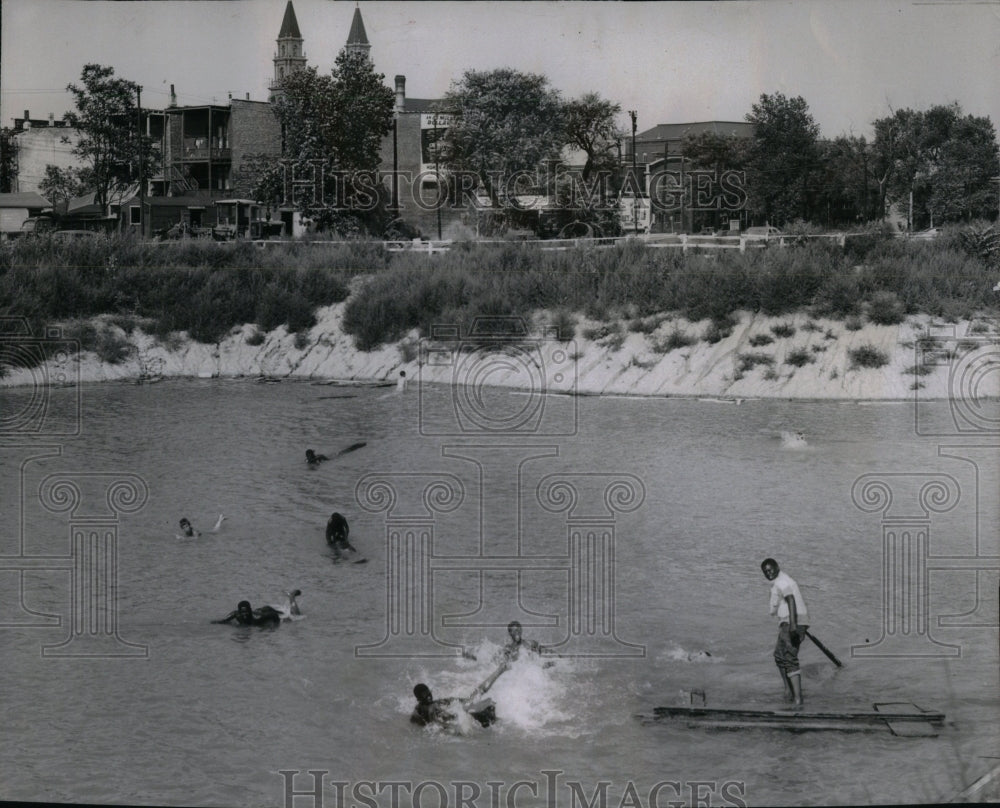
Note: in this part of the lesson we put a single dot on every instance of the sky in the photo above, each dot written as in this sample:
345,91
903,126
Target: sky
852,60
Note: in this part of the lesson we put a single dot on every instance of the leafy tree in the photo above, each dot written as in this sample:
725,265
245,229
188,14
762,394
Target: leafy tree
589,124
712,151
59,185
782,158
503,123
846,191
945,159
332,126
109,144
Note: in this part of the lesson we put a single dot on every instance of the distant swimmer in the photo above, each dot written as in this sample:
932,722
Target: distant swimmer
246,615
337,532
314,459
444,712
188,531
401,384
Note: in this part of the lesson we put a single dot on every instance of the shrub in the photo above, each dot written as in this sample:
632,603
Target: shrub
919,370
719,329
799,357
759,340
112,347
782,330
867,356
301,341
886,308
748,361
255,338
674,340
564,325
853,324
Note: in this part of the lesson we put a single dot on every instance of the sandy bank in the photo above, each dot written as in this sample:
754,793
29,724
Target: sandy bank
806,358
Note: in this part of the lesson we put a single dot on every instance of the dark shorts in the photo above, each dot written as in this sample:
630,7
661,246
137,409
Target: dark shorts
786,653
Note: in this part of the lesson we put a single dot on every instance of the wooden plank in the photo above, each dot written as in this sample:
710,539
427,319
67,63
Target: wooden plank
908,720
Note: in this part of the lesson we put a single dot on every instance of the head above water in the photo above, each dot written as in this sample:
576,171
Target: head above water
423,693
514,630
185,524
770,568
310,454
244,606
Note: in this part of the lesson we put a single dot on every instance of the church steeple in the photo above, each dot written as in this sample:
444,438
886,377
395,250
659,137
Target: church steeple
357,39
289,56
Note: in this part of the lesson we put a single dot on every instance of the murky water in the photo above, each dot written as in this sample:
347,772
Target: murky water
625,532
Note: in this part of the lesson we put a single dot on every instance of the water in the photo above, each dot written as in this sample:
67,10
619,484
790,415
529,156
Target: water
214,713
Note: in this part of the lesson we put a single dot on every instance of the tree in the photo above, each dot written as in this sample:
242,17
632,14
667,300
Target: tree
782,158
109,142
333,126
846,190
59,185
943,159
503,124
589,125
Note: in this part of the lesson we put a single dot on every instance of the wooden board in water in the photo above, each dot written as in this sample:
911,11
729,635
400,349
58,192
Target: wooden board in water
921,721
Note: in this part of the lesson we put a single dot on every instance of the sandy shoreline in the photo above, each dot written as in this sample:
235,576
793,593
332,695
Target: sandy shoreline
808,359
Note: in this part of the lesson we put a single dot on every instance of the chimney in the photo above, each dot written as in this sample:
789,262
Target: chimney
248,96
400,93
52,119
173,96
27,119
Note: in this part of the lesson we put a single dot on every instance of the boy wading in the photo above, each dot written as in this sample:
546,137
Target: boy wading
793,620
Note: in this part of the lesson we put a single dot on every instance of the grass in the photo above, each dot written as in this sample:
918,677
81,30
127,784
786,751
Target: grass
782,330
207,288
760,340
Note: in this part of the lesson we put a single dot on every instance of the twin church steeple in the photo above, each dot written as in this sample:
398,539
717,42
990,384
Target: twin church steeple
290,55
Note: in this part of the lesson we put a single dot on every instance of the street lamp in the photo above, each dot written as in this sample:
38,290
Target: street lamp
635,178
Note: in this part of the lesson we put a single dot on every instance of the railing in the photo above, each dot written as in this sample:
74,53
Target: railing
682,242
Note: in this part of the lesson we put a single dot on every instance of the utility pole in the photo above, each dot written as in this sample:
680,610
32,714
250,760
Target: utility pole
635,178
437,175
142,178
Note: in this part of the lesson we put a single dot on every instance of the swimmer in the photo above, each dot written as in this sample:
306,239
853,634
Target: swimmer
188,531
245,615
401,384
314,459
443,711
337,531
516,642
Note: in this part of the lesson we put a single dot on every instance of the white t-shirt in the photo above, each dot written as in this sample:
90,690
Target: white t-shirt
782,586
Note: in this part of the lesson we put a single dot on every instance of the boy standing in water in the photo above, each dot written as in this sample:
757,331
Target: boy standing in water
793,620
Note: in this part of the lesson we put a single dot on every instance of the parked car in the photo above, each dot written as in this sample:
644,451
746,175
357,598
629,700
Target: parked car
75,235
764,232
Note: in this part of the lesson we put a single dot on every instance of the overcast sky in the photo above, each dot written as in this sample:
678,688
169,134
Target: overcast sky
852,60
